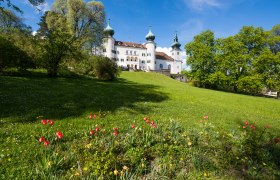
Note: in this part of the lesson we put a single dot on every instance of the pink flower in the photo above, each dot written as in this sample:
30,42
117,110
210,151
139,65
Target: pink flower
97,129
51,122
132,126
91,132
115,133
59,134
94,116
246,123
44,121
115,129
41,139
46,143
90,116
244,127
145,118
206,117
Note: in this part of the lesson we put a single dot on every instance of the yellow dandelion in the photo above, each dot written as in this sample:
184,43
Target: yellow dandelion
143,165
205,174
189,143
116,172
237,157
88,145
181,159
121,173
85,168
125,168
170,165
264,164
77,174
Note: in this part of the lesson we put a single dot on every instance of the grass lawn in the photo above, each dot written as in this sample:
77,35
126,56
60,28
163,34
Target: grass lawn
70,101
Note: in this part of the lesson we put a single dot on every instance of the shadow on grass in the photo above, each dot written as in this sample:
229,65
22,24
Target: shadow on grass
22,99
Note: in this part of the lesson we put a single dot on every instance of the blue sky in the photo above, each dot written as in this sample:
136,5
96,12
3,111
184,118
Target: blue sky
131,18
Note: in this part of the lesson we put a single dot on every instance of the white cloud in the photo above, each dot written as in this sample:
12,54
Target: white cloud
43,7
34,33
199,5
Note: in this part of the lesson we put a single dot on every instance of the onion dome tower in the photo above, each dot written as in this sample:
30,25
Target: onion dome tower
108,31
176,51
109,41
151,50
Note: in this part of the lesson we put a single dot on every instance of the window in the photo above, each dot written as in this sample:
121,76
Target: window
122,60
131,59
134,52
169,66
104,50
126,51
161,66
148,61
155,62
172,54
130,52
143,62
178,53
135,58
113,51
118,52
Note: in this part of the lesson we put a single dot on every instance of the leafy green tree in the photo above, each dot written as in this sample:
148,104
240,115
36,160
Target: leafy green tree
59,44
232,60
273,39
12,56
267,65
201,54
10,20
10,4
86,20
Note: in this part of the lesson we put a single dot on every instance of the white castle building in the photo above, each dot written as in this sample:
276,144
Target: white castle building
142,56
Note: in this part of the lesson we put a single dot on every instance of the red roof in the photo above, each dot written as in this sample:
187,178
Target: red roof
163,56
130,44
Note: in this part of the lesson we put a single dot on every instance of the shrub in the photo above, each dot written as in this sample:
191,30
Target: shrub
12,56
101,67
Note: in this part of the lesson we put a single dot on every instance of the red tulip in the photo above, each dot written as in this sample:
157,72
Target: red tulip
153,122
246,123
51,123
115,133
90,116
41,139
94,116
48,121
115,129
132,126
46,143
145,118
206,117
97,129
44,121
148,121
59,134
91,132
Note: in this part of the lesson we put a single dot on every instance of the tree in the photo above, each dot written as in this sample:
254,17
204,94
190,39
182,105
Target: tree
273,39
201,57
10,20
267,65
10,4
59,44
86,20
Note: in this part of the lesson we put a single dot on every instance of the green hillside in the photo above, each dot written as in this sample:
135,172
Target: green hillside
70,101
